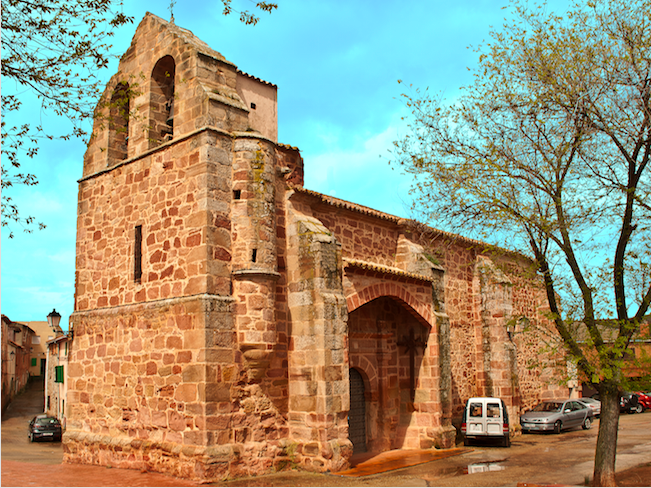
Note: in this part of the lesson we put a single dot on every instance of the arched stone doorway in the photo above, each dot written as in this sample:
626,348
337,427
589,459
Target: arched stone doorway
357,413
388,344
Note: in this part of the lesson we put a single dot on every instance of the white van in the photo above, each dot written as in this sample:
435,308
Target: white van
485,418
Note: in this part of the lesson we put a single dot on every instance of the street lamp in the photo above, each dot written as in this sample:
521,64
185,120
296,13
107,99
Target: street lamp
53,319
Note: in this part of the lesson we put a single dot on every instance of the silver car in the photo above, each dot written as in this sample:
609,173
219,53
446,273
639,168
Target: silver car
557,415
595,405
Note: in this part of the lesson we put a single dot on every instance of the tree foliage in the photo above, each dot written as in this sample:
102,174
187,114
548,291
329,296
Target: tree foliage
53,49
56,50
246,16
548,150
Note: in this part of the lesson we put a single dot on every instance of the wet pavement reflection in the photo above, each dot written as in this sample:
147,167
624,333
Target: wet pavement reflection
483,467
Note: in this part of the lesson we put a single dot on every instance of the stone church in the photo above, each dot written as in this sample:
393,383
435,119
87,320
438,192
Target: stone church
229,321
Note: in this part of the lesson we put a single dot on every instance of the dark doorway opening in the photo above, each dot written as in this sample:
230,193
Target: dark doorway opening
357,414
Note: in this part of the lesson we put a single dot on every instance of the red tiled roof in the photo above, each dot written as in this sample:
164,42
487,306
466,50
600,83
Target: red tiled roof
239,71
377,268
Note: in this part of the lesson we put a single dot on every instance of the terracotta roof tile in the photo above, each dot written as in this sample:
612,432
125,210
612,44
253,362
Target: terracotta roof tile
239,71
377,268
337,202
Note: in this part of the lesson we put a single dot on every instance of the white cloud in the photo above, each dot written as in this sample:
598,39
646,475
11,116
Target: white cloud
360,173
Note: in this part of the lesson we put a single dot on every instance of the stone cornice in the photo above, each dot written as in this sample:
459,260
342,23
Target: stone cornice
153,303
181,138
353,207
255,273
385,270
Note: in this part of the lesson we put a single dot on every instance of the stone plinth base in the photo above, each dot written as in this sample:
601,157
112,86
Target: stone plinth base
203,463
444,437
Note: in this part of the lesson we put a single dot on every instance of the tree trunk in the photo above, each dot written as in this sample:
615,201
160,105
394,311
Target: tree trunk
604,462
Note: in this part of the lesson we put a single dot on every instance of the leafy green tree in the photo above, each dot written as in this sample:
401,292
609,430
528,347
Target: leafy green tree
548,150
56,50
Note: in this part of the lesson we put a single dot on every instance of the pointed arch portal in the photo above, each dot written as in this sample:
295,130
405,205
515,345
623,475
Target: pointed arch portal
398,386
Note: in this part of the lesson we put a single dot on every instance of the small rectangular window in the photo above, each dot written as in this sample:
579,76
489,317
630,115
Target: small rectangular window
254,255
237,194
58,371
33,361
137,257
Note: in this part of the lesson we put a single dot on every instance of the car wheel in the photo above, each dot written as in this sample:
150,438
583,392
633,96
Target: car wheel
639,408
587,423
31,437
557,427
506,442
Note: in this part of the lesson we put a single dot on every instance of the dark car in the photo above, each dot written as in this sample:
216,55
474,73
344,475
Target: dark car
44,427
629,402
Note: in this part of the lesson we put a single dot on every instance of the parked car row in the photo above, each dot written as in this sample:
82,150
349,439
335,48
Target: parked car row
488,418
631,402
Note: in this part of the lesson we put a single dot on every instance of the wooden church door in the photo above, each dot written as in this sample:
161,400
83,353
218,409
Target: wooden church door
357,414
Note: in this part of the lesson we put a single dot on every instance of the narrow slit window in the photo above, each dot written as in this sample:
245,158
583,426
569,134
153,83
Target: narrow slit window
137,254
237,194
253,105
254,255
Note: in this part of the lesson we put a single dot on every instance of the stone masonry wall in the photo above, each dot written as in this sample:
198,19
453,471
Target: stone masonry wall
361,237
189,381
184,220
141,385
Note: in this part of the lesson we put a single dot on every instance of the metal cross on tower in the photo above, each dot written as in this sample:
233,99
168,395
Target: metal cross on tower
171,7
412,344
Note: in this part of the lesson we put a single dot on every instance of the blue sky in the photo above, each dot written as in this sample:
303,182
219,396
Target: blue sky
336,64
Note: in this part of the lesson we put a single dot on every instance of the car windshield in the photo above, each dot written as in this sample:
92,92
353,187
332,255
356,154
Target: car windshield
548,407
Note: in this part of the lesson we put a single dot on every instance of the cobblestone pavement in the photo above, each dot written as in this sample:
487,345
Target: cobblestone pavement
533,459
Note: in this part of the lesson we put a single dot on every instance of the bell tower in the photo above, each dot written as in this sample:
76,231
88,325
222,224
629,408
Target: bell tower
180,347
